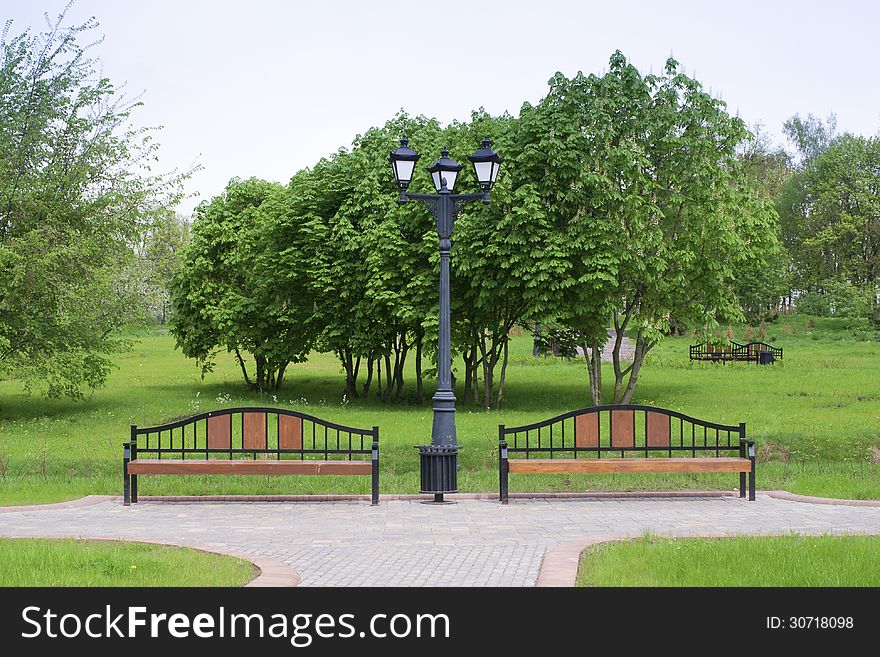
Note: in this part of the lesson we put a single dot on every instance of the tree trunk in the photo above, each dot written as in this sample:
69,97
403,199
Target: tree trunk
615,361
389,379
247,379
420,386
619,329
399,363
473,364
596,355
280,378
487,373
366,390
261,373
468,357
270,375
642,349
593,359
504,357
379,376
475,379
490,355
347,359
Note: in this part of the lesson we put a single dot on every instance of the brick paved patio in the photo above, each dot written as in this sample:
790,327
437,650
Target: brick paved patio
475,542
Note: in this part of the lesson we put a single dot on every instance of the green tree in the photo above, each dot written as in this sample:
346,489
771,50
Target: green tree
810,136
347,321
840,215
231,292
687,222
557,184
762,283
400,255
74,195
650,163
498,263
159,254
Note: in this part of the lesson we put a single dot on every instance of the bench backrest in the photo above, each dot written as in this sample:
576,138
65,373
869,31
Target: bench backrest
631,429
736,350
704,350
755,348
235,433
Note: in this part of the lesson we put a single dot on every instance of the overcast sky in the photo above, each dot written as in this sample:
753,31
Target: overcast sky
267,87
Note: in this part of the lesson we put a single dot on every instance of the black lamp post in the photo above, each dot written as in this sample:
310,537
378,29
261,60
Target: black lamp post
439,460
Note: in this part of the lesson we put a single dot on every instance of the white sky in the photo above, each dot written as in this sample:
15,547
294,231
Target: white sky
266,87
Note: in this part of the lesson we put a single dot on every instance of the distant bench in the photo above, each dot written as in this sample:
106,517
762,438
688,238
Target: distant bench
250,441
625,438
760,353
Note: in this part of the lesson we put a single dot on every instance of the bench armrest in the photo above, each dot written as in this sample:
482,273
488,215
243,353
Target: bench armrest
129,449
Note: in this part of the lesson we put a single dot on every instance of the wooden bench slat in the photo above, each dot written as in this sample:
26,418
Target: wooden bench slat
612,465
586,430
254,431
219,432
623,433
290,431
188,467
658,429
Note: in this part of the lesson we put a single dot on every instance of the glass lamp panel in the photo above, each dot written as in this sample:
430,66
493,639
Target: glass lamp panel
450,179
484,172
403,170
496,167
436,175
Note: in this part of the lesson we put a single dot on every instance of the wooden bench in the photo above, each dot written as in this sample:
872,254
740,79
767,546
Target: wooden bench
250,441
625,438
759,353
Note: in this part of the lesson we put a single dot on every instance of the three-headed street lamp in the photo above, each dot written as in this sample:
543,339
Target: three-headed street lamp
439,460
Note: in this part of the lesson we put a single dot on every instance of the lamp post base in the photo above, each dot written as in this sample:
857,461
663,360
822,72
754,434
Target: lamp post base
439,471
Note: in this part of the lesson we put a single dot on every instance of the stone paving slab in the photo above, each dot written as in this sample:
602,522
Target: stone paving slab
627,349
406,543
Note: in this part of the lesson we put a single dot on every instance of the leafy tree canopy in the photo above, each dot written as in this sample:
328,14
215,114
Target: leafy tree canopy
75,192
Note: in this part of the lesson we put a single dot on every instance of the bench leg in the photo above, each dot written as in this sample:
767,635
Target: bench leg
375,496
134,478
503,478
752,473
126,482
742,484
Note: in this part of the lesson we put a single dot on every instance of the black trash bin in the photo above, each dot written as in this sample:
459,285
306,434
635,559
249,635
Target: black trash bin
439,469
766,358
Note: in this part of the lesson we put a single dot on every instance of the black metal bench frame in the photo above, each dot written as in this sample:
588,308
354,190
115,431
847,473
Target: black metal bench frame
251,446
664,441
759,353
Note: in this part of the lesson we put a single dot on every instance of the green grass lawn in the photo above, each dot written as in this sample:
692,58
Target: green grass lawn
66,562
815,417
740,561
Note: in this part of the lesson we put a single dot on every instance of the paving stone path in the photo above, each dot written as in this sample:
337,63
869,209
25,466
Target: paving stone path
407,543
627,349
